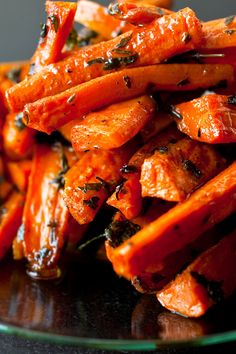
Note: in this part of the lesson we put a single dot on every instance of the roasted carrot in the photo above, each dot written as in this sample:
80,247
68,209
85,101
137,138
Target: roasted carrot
137,14
54,33
10,220
50,113
113,126
91,180
97,18
45,217
160,121
175,170
19,173
210,119
145,46
127,197
159,3
18,140
170,232
219,33
207,281
5,185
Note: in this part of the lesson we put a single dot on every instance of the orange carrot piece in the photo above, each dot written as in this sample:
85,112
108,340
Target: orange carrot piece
159,3
90,181
10,220
145,45
50,113
207,281
220,33
19,173
170,232
5,185
175,170
160,121
210,119
96,17
18,140
54,33
113,126
45,217
127,197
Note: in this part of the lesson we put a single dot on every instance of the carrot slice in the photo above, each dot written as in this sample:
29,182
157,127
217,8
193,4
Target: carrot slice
145,46
175,170
52,112
18,140
45,217
10,220
54,33
208,280
90,181
113,126
210,119
220,33
19,173
127,197
170,232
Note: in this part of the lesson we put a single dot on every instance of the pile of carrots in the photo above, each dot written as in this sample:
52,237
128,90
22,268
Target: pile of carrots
134,114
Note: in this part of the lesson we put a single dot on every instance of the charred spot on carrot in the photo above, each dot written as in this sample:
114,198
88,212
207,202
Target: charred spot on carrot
92,202
213,288
189,166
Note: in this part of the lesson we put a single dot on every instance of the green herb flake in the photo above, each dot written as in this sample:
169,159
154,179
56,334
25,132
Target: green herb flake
96,61
72,40
124,42
230,32
55,22
127,81
229,20
18,122
114,63
173,112
189,166
43,30
14,75
92,202
128,169
183,82
59,180
114,9
232,99
186,38
119,231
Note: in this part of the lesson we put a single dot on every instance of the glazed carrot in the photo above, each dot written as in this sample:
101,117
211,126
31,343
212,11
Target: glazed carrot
207,281
54,33
160,121
5,185
50,113
159,3
90,181
10,220
97,18
45,217
137,14
175,170
210,119
18,140
113,126
143,46
170,232
219,33
127,197
19,173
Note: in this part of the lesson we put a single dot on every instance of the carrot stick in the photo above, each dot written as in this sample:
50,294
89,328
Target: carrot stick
113,126
220,33
128,198
19,173
210,119
160,121
175,170
10,219
5,185
170,232
145,46
18,140
207,281
50,113
54,33
90,181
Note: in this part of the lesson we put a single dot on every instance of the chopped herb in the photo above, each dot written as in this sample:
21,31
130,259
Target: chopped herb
189,166
104,183
14,75
229,31
32,69
229,20
199,133
55,22
128,169
91,187
71,98
96,61
72,40
92,202
124,42
183,82
160,11
120,189
213,288
44,30
52,224
81,247
161,149
113,63
186,37
119,231
121,51
85,35
59,180
113,9
18,121
172,111
127,81
232,99
42,254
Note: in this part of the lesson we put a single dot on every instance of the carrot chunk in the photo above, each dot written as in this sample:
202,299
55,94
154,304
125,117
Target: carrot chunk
19,173
207,281
220,33
170,232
